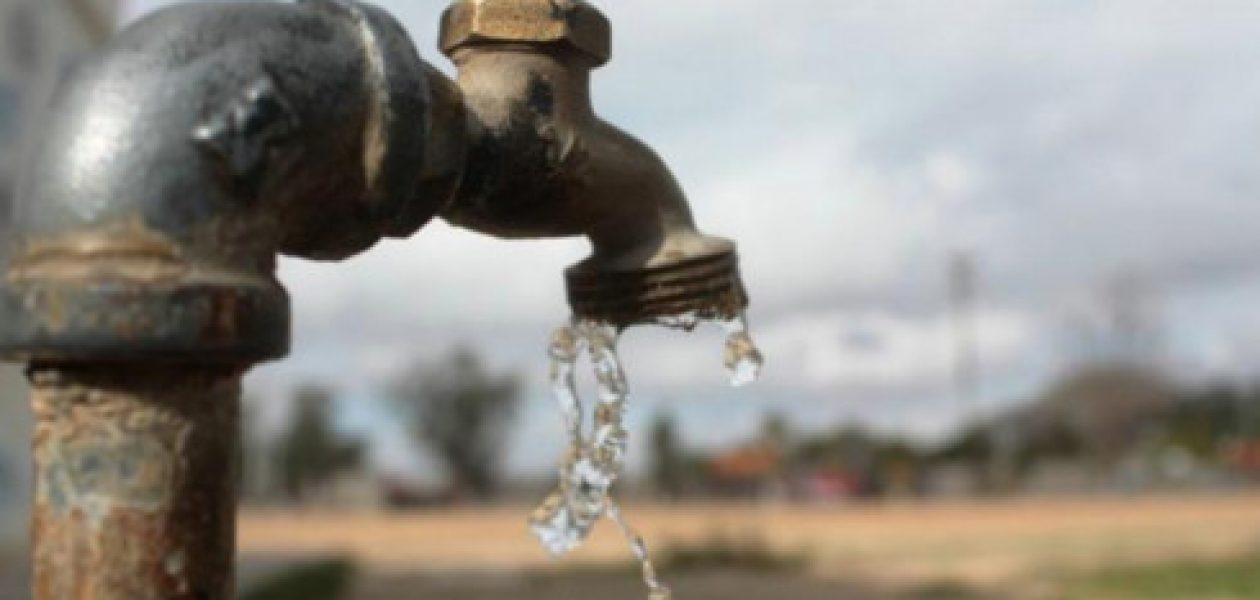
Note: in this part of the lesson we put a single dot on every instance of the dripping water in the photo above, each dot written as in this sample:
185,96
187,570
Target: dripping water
594,462
742,359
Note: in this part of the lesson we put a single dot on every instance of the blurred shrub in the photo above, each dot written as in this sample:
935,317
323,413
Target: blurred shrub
728,552
1237,579
943,590
324,580
464,414
311,453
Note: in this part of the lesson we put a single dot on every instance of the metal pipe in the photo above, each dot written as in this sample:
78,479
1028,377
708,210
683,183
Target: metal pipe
135,482
197,145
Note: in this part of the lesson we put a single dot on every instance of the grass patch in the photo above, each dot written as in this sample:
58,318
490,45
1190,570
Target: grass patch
944,590
717,553
725,552
1237,579
323,580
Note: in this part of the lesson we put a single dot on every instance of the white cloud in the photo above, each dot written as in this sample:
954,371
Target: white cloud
882,349
953,176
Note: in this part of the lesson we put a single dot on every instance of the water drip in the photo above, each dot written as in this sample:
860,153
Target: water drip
593,463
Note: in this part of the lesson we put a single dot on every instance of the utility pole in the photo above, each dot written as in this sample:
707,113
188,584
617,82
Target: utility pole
968,371
962,300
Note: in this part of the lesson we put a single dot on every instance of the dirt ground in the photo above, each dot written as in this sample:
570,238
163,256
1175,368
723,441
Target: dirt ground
1015,550
888,547
714,585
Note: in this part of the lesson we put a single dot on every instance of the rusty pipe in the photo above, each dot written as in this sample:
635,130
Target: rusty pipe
135,483
543,164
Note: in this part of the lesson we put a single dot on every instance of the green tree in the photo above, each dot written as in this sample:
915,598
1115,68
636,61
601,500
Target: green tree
310,451
669,462
776,431
462,413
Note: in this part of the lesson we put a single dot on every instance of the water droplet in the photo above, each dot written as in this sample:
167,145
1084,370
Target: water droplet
686,321
564,345
742,359
565,519
655,588
661,593
564,352
556,526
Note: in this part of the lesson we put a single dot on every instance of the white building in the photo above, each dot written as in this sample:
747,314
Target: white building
38,40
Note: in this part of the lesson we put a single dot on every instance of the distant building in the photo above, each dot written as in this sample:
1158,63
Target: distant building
39,40
753,471
1243,456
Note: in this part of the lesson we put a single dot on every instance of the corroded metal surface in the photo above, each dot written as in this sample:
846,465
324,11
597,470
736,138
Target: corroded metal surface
543,164
135,483
707,288
572,22
125,291
199,143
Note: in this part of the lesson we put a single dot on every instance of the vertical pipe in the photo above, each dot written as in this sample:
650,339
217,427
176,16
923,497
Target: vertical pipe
135,482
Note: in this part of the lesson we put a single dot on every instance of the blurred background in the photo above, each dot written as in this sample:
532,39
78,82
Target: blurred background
1004,269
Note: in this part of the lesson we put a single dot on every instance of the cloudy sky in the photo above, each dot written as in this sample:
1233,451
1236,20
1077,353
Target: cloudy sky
1081,151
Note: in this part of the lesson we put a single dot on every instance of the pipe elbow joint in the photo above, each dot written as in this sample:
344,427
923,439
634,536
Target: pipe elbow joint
179,161
542,164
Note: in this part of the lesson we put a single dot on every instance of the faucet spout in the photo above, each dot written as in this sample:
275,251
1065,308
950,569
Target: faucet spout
543,164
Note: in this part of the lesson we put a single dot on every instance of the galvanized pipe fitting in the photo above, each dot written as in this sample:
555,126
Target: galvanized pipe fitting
197,145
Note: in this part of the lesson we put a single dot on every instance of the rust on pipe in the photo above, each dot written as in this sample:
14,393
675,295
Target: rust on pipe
136,481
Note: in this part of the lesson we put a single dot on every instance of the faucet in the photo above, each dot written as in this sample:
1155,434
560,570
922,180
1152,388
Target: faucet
205,140
543,164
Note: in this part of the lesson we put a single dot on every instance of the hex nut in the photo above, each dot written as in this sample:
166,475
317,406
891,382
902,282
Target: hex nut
577,23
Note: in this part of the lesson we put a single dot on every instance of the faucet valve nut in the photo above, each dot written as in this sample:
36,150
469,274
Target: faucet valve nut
567,22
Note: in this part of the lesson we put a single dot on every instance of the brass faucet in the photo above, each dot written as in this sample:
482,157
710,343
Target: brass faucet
543,164
206,139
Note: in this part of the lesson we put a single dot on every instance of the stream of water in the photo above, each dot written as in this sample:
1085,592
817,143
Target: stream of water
595,460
